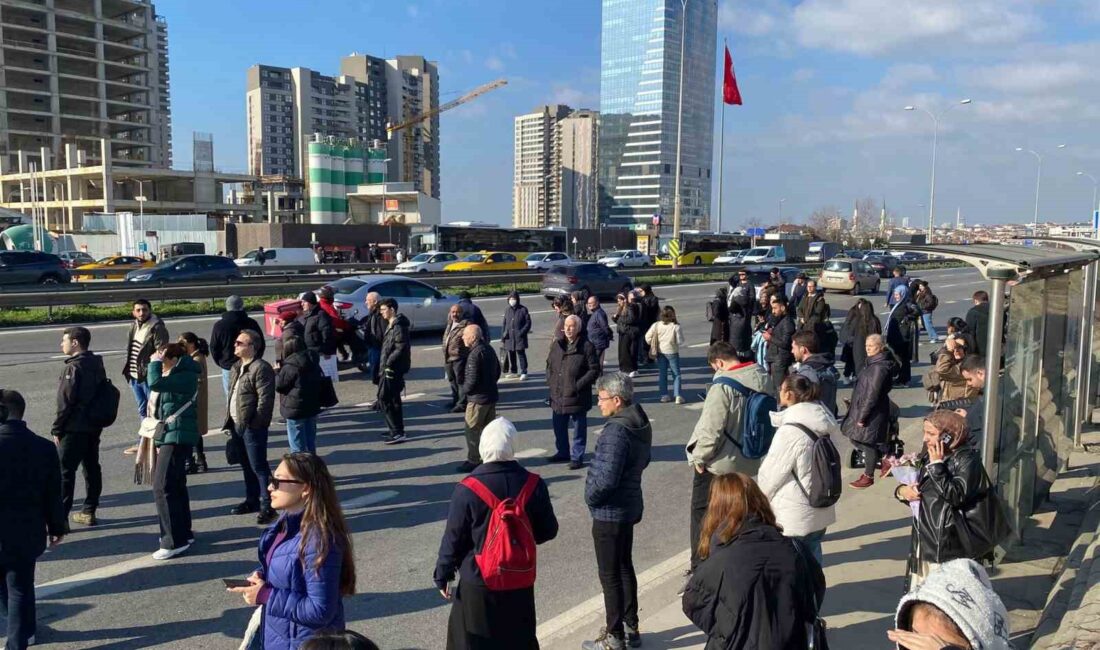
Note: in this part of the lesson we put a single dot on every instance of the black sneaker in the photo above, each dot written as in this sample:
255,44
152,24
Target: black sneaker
395,439
576,464
466,467
458,408
558,458
266,516
633,636
245,508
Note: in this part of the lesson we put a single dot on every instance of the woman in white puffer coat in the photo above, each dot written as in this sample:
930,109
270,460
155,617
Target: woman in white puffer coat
791,455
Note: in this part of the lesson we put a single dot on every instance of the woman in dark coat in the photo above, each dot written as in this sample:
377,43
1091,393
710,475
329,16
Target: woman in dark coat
298,384
484,619
860,323
719,316
902,332
867,423
628,324
513,335
753,588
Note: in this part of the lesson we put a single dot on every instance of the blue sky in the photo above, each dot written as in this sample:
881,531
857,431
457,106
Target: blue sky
824,83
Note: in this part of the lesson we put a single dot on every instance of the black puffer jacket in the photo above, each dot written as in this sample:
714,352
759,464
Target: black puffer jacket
482,370
570,373
76,391
779,347
753,592
293,329
613,487
629,321
651,310
225,333
958,483
373,328
719,314
871,402
396,348
257,394
977,321
298,384
317,330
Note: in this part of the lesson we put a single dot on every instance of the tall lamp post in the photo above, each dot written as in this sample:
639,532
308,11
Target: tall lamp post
1038,181
1095,206
780,216
676,199
935,137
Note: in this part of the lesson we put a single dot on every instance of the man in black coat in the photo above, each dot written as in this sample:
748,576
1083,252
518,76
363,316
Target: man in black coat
395,359
977,321
778,336
317,329
776,279
473,314
571,369
373,328
77,439
232,322
479,385
867,423
651,313
32,512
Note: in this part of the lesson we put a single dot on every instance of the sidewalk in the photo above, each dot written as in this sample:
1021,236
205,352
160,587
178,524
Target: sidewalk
865,554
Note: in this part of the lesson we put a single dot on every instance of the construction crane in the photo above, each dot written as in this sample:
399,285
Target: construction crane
476,92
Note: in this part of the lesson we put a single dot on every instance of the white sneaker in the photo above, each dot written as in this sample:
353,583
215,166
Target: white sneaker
679,400
523,377
509,375
632,374
168,554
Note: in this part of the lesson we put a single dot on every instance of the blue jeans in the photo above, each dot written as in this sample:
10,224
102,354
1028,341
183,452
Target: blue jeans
141,395
813,544
561,423
302,434
225,381
929,326
257,473
666,362
374,357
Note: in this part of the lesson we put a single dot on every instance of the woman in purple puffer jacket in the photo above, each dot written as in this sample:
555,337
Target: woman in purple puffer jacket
306,560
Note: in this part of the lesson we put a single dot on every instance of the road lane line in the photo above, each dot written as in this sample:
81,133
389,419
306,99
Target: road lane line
56,587
530,453
432,348
698,345
368,499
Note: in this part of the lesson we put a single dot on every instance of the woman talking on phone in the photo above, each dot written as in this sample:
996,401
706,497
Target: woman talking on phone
959,515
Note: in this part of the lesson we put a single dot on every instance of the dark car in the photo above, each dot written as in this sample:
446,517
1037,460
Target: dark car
188,268
882,264
594,279
910,256
32,267
758,275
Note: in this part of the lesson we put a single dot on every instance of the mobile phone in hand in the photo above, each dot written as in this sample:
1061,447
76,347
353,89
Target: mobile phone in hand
230,583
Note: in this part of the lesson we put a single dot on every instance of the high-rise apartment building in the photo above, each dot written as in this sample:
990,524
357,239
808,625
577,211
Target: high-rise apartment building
286,107
639,89
554,172
74,72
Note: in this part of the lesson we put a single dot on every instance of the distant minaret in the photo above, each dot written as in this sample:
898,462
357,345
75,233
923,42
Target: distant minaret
882,218
960,223
855,217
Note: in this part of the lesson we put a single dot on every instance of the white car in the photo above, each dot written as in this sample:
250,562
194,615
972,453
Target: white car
543,261
430,262
621,259
730,257
425,306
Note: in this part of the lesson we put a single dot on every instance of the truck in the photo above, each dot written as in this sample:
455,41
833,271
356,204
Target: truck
821,251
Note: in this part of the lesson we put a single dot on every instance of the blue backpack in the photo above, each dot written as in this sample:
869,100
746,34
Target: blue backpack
756,427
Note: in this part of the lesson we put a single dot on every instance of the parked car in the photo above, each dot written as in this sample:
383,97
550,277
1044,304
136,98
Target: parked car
853,276
188,268
765,255
544,261
429,262
73,259
624,258
877,253
32,267
278,257
477,262
759,275
854,253
883,264
910,256
731,257
594,279
118,265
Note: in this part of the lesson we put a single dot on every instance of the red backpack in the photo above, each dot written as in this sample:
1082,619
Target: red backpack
507,557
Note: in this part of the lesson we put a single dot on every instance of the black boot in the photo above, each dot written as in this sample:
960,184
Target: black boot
200,463
189,466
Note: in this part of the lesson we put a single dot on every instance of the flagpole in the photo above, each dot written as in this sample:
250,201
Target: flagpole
722,155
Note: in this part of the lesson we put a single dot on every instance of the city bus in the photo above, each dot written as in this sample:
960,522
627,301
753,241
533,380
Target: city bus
697,248
462,238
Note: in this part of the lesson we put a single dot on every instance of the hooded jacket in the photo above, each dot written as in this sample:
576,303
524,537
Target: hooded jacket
396,348
75,393
517,324
175,389
472,313
711,446
791,455
871,402
318,332
298,385
819,369
225,333
613,487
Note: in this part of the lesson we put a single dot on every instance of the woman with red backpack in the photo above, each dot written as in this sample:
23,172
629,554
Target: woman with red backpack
490,546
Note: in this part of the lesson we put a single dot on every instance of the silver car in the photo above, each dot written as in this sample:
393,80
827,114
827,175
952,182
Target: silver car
424,306
621,259
543,261
430,262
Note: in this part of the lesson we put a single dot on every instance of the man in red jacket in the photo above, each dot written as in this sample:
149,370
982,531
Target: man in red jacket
339,325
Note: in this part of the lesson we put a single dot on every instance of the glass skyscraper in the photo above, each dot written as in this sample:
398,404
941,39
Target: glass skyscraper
639,87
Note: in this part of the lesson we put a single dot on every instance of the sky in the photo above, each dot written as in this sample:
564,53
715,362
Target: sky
824,83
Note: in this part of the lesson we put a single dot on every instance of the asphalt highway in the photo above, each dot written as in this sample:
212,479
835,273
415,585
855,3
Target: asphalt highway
100,588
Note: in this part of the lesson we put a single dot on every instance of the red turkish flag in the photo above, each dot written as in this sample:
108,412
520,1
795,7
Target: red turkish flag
730,93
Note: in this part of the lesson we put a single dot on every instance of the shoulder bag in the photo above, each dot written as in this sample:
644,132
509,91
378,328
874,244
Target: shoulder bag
154,429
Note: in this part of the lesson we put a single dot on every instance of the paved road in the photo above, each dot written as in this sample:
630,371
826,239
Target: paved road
99,588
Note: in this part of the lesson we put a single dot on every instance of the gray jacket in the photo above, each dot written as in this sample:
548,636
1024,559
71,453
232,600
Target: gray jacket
257,395
723,412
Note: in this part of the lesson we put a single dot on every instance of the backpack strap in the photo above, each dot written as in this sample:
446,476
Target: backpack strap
742,390
528,490
484,493
813,437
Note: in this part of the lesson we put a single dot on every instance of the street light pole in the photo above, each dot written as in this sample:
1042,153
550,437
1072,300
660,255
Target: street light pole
679,134
1095,206
780,222
935,138
1038,180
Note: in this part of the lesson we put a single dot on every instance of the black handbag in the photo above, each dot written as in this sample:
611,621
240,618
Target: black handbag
326,393
984,525
235,453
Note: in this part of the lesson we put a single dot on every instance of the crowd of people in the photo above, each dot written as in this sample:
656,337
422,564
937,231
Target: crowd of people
765,471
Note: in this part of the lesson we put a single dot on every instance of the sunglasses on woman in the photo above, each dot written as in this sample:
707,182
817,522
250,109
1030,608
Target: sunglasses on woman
276,481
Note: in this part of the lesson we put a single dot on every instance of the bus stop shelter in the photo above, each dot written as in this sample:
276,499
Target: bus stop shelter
1039,360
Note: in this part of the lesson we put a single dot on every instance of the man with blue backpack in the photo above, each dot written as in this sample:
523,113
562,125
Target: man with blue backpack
734,430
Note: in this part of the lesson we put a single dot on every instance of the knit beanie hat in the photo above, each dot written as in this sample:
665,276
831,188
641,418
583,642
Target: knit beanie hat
309,297
234,303
961,589
496,441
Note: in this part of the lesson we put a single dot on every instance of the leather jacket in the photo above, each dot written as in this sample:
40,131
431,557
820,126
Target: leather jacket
957,483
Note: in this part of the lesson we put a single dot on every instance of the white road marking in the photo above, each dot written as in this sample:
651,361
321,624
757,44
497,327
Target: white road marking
695,406
55,587
541,311
699,345
432,348
369,499
530,453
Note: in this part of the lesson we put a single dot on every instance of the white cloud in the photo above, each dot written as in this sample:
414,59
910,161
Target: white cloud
753,17
907,74
802,75
574,97
494,63
413,11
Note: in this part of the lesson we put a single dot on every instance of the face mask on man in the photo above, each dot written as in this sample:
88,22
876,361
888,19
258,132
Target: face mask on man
513,302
